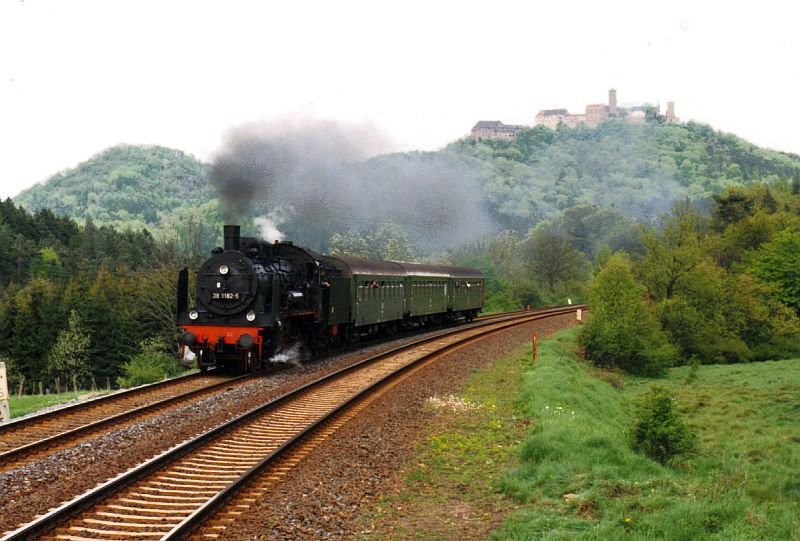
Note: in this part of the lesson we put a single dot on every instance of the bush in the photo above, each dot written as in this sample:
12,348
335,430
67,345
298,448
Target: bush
154,363
659,431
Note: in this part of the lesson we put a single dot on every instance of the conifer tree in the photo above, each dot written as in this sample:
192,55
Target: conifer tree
69,356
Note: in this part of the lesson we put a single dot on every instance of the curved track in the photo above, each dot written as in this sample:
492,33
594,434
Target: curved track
168,496
28,438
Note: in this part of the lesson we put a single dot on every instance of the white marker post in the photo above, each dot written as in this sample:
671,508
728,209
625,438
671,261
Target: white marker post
580,315
5,413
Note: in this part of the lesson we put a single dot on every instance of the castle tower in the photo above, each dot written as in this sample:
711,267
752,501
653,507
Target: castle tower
612,102
671,112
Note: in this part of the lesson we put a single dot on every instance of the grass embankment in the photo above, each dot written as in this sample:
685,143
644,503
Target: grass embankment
23,405
575,476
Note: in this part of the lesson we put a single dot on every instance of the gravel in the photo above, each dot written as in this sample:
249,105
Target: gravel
326,493
38,486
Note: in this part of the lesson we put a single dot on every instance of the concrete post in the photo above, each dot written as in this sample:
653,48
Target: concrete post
5,413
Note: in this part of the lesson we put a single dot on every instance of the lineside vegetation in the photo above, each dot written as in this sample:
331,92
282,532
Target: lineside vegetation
550,453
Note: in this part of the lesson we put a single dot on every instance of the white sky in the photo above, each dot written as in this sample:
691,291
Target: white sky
79,76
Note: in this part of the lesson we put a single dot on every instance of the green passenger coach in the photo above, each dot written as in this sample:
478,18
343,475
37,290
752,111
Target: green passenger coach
391,294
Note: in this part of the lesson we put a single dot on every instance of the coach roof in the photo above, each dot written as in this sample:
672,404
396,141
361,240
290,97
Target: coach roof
353,266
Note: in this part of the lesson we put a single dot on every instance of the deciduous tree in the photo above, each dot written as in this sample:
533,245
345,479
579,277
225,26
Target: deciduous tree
623,330
552,258
778,263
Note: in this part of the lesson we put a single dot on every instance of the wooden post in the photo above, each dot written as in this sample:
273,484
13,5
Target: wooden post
94,385
74,383
108,383
58,385
5,413
21,386
41,388
534,340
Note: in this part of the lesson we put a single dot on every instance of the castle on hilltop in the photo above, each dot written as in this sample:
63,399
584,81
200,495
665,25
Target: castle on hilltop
594,115
494,129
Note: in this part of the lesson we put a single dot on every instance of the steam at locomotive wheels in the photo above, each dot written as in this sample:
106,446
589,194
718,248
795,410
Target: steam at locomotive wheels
255,299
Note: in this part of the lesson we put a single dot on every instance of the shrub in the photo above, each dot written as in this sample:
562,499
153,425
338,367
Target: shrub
153,363
658,430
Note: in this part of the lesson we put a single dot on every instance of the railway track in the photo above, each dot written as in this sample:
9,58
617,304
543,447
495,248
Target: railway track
168,496
28,438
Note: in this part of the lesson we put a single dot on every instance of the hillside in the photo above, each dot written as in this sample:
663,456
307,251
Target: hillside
124,186
468,190
639,169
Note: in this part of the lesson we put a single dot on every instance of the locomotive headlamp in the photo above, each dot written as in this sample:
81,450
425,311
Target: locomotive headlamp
223,269
193,315
251,316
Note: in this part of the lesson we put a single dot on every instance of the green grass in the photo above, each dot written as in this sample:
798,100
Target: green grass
743,484
23,405
502,471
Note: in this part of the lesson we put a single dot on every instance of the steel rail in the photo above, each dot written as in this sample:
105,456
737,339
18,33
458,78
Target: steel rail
66,511
13,456
193,521
111,397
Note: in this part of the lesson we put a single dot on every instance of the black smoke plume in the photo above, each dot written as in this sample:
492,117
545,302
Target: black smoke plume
313,178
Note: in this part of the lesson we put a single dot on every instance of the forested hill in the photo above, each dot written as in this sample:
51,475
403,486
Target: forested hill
126,186
638,169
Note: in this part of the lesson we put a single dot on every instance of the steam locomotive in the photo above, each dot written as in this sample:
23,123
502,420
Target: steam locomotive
255,298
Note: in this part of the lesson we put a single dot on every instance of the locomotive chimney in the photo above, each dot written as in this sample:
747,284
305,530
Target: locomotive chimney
231,233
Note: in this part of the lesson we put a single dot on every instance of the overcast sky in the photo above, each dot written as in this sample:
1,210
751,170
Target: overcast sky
79,76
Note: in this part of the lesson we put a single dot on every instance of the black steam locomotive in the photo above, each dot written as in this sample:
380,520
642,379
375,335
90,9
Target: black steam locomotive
255,298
